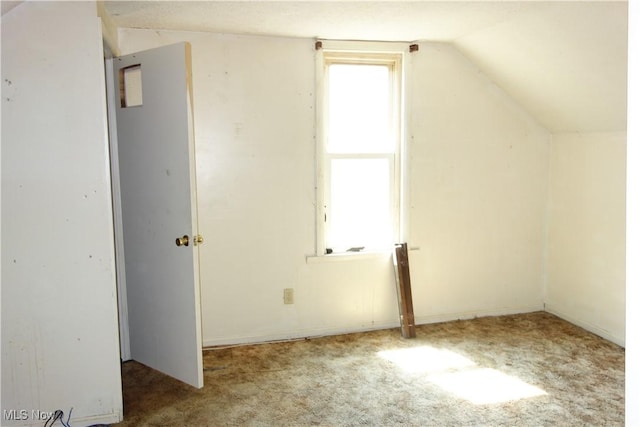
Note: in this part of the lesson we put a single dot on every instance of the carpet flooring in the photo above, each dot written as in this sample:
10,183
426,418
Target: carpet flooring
522,370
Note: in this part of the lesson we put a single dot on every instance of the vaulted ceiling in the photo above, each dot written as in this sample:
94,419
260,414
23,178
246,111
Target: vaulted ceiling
564,62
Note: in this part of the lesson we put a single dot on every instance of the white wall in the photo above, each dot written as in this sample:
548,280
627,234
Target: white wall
632,363
586,254
479,168
478,187
59,317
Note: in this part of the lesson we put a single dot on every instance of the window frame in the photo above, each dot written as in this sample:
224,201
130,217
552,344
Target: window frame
393,55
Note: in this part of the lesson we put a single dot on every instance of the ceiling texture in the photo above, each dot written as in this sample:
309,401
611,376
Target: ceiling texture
563,62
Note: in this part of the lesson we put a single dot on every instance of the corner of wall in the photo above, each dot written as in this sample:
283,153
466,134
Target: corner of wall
547,222
109,30
585,279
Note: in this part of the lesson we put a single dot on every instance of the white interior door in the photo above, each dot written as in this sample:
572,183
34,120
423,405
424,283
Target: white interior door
158,206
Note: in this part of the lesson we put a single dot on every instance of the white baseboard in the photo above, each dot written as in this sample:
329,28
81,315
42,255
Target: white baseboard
471,314
100,419
586,325
319,332
296,335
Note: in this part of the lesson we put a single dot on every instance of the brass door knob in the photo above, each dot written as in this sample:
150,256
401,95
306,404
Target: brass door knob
198,240
182,241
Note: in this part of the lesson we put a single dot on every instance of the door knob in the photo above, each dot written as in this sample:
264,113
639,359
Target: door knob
182,241
198,240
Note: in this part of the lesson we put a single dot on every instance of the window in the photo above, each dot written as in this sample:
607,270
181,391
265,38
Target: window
131,86
360,130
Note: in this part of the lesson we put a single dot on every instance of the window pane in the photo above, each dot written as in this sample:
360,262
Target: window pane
359,109
131,86
359,209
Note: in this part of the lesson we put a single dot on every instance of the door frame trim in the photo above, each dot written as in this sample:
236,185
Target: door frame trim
121,281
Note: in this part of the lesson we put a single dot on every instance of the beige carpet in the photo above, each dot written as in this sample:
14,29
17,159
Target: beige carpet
522,370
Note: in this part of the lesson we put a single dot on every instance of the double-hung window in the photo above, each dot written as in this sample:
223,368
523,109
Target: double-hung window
360,129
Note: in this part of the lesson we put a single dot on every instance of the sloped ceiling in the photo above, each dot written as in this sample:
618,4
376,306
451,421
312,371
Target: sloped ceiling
564,62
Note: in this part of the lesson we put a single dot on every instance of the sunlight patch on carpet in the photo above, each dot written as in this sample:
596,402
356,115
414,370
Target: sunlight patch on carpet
484,386
461,376
425,359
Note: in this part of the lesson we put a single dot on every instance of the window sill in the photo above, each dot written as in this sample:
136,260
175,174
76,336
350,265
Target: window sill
355,256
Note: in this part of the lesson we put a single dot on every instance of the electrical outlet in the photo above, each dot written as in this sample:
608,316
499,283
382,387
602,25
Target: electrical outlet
288,295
